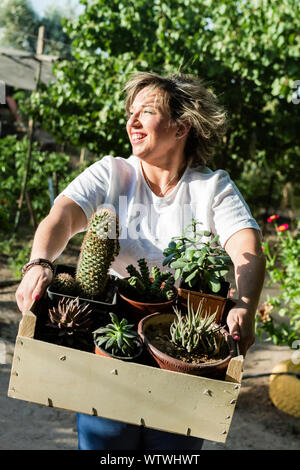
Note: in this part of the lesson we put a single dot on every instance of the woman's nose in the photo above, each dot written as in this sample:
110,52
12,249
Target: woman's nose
134,119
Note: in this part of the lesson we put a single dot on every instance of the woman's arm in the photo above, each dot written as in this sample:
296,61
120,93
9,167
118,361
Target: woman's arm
244,248
65,219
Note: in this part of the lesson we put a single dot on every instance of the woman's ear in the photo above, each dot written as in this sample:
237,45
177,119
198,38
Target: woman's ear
182,130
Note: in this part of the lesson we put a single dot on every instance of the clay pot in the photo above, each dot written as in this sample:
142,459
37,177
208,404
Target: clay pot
211,302
102,352
216,370
137,310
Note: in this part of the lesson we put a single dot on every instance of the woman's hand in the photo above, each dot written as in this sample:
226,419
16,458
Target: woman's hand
244,248
33,286
241,326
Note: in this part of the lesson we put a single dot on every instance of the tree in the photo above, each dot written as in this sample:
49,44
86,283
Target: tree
19,24
248,51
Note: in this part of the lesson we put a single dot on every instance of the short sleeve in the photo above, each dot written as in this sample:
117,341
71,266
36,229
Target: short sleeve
89,189
229,211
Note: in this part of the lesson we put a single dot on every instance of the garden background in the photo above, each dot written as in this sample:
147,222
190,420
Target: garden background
246,51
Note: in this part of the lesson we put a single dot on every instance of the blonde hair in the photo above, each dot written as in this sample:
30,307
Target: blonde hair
187,100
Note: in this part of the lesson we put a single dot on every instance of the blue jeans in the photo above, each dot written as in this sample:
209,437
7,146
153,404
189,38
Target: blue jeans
95,433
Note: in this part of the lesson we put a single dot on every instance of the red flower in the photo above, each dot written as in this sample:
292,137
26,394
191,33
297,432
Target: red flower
273,217
282,227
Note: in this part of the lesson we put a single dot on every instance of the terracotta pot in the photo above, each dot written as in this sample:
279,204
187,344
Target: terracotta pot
137,310
216,370
212,302
101,352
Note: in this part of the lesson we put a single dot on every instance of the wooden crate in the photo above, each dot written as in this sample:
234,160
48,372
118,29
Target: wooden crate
78,381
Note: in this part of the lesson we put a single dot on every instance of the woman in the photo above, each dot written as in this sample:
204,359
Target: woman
174,124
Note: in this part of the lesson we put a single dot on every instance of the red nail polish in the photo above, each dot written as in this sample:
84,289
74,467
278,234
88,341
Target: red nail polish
36,297
236,337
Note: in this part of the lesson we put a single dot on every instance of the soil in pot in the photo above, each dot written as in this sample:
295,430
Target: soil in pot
159,337
154,329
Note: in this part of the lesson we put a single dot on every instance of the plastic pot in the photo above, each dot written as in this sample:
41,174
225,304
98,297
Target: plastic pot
97,306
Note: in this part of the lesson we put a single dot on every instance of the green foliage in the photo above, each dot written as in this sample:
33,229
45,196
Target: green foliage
119,337
13,153
247,51
139,286
196,331
284,271
16,252
200,265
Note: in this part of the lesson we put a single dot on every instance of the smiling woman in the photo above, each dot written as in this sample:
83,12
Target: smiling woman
174,124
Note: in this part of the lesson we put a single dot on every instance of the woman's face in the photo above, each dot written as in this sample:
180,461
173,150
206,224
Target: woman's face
151,132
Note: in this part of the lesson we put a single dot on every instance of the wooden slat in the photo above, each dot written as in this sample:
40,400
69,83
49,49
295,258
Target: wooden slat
27,325
69,379
234,371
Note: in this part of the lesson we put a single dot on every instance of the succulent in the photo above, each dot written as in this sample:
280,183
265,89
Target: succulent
64,283
196,330
140,286
71,322
99,248
119,337
200,265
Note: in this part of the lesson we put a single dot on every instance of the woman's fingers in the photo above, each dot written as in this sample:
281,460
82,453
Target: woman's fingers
32,286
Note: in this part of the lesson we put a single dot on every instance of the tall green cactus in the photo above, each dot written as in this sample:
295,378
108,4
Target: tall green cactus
99,248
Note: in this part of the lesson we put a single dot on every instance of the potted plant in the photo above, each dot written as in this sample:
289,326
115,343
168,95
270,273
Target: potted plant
90,280
142,293
69,324
191,343
201,266
118,339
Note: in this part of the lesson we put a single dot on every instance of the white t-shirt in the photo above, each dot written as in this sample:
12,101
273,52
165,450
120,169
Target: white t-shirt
148,222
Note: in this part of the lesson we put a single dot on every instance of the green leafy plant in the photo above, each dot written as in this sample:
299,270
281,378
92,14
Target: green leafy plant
12,169
196,331
282,263
118,338
201,265
140,286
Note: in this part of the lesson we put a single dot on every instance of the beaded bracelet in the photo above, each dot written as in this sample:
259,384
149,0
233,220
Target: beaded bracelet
38,262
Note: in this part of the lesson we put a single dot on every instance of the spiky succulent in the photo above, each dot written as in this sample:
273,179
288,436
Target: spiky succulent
140,286
70,321
64,283
98,250
196,330
118,337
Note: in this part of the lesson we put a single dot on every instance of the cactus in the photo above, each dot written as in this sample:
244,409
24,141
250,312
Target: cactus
71,323
98,250
64,283
140,287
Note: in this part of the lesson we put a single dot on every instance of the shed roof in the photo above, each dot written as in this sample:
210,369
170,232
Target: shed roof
18,68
